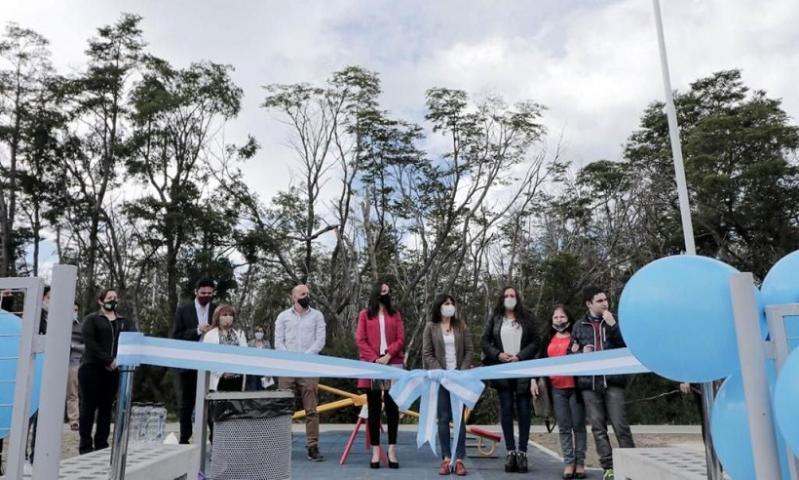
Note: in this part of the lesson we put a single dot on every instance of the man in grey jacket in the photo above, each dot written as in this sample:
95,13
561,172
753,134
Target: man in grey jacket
75,352
301,328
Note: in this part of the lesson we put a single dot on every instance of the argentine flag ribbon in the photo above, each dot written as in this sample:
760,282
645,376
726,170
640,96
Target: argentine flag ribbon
464,386
464,390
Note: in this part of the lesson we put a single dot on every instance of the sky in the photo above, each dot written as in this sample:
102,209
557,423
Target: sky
593,64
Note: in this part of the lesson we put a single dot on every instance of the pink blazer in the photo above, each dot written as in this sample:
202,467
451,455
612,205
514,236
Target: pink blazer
367,337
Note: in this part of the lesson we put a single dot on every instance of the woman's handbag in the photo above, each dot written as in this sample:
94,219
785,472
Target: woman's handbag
542,404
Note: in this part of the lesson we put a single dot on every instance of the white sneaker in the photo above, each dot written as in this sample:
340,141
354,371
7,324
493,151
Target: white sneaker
27,469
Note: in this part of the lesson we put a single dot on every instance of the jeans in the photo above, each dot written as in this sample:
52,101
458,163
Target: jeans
507,398
98,387
570,415
444,417
374,401
601,407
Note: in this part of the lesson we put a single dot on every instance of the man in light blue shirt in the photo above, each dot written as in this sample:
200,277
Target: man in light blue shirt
302,329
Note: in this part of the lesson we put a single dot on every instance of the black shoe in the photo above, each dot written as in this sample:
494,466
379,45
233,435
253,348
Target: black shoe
374,464
521,462
314,455
510,462
393,464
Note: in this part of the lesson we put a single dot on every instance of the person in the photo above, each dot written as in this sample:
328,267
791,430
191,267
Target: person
98,375
568,405
509,336
191,321
603,395
254,383
223,332
447,345
380,337
301,328
75,352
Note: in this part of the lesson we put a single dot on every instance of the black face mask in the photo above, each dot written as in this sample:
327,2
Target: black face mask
560,327
305,302
385,299
110,306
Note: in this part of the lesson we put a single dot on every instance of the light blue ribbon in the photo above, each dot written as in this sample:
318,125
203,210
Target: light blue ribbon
464,386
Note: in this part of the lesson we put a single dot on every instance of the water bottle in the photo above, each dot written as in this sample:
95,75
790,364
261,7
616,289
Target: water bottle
135,424
160,415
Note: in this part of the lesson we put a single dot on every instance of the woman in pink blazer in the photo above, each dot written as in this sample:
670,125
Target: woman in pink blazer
381,339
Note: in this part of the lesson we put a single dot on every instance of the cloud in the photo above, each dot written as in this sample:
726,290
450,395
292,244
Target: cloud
594,65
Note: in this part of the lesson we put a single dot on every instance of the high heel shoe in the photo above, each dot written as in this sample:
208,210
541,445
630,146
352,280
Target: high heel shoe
374,464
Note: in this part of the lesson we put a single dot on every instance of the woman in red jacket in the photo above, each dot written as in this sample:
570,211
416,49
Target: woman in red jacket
381,339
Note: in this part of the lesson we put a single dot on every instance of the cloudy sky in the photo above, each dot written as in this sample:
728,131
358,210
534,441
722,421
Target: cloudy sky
594,64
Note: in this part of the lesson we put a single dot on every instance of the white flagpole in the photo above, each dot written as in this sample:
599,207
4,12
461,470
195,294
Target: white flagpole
713,466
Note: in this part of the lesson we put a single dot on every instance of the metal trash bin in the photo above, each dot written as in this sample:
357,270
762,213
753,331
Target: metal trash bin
252,435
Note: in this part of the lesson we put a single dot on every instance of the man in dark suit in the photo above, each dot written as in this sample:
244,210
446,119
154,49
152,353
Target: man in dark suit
192,320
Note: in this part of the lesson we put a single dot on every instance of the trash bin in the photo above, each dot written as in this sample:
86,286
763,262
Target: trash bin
252,435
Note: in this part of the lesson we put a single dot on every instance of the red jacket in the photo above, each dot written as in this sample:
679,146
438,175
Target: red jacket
367,337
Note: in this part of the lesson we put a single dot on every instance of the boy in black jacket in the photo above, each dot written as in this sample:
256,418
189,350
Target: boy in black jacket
603,395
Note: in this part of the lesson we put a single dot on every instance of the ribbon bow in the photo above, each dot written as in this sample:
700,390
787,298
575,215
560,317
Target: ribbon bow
464,390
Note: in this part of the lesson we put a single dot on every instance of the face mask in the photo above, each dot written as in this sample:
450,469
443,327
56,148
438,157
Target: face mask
304,302
259,335
225,320
110,306
204,300
46,306
385,299
75,317
510,303
560,327
448,310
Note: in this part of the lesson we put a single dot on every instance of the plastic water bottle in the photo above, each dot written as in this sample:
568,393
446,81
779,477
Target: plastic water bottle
135,423
160,415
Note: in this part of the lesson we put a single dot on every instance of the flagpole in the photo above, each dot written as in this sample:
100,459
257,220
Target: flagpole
713,466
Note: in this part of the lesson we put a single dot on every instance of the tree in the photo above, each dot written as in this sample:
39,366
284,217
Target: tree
176,112
21,85
100,108
743,183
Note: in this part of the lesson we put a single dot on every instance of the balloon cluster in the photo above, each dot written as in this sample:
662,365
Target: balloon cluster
676,317
10,330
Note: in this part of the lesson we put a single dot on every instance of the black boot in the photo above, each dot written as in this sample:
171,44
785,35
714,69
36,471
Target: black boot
521,462
510,462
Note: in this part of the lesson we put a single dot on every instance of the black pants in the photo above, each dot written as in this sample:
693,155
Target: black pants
98,387
187,388
374,398
233,384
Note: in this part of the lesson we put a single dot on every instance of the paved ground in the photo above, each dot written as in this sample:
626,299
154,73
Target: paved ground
544,453
417,464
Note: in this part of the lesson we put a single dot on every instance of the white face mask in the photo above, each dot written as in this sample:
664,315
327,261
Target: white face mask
448,310
259,335
510,303
75,316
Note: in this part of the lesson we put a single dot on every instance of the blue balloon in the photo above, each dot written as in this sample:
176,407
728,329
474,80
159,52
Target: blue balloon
781,284
676,317
729,428
10,330
786,399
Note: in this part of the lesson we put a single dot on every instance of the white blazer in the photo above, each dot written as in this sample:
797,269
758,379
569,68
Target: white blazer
212,336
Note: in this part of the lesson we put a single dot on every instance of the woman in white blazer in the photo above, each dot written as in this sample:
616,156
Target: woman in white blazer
223,332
